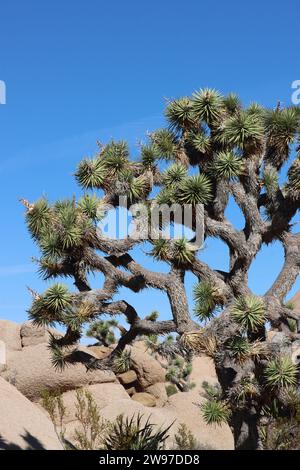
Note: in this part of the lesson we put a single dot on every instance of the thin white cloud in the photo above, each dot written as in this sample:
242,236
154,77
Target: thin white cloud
13,270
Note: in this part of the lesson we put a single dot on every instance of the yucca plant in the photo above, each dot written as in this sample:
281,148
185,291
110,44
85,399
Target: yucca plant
207,298
281,373
195,190
164,143
232,103
183,252
91,173
103,331
215,412
240,348
122,362
38,217
199,141
241,130
249,312
135,434
180,114
227,165
148,156
175,174
207,105
160,250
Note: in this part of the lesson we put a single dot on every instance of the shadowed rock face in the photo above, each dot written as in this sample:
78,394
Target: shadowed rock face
22,425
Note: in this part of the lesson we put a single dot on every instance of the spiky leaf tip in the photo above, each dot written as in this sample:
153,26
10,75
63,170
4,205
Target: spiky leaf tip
91,173
195,190
249,312
227,165
281,373
215,412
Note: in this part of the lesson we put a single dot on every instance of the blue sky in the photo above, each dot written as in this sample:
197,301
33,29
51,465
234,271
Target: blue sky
80,71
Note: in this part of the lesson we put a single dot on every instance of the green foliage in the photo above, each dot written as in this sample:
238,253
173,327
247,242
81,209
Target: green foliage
249,312
270,180
90,205
175,174
133,434
180,114
282,126
134,188
227,165
115,155
164,142
281,373
184,439
57,298
240,348
90,433
241,130
183,252
171,389
91,173
103,331
38,217
195,190
199,141
213,392
153,316
53,403
232,103
207,298
207,105
122,362
148,156
215,412
160,250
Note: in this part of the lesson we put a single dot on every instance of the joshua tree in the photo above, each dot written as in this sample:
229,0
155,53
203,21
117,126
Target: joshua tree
215,150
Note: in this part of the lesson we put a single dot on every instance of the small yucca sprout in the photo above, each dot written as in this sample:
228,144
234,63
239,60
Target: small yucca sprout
281,373
249,312
195,190
215,412
207,105
38,217
179,113
57,298
175,174
91,173
227,165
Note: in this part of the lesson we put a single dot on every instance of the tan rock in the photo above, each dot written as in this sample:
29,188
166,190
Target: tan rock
159,392
127,377
130,391
22,424
31,371
2,356
32,334
10,334
144,398
148,370
99,351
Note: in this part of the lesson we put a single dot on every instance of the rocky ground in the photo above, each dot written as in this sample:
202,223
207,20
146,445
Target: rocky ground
26,371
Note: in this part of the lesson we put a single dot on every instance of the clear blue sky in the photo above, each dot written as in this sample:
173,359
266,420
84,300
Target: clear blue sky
79,71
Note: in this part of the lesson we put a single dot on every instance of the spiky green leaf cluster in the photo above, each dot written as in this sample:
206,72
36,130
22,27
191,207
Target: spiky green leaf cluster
195,190
249,312
207,105
215,412
227,165
206,298
175,174
135,434
281,373
165,144
242,130
91,173
180,113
